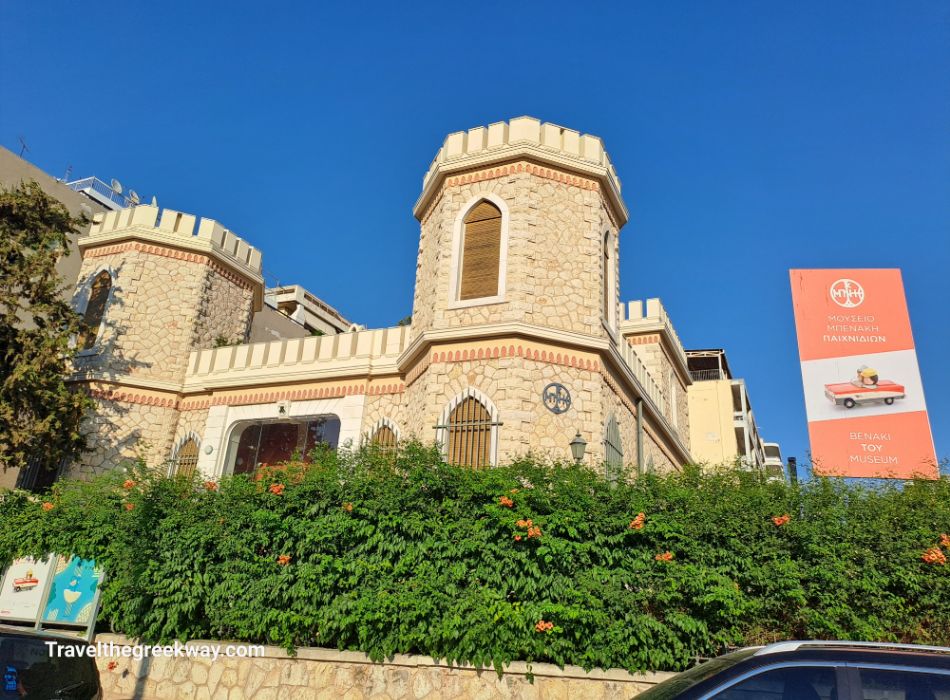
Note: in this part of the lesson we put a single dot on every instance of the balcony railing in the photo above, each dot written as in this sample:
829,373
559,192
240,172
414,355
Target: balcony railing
707,375
90,185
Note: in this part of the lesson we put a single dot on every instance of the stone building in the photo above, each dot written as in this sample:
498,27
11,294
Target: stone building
518,341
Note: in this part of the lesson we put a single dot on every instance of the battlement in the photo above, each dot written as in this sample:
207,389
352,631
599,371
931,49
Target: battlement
298,359
645,378
176,229
523,137
637,320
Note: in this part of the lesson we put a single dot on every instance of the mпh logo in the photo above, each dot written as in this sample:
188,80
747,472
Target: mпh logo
847,293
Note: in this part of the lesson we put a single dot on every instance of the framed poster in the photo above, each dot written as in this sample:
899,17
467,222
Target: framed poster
21,591
74,594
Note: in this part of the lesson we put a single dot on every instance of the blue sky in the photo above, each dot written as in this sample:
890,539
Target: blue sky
750,137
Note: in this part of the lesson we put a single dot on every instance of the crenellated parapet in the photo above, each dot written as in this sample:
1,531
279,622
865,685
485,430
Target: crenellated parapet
355,354
649,323
575,157
174,230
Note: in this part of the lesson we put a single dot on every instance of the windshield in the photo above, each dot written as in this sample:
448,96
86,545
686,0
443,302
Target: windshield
31,671
687,679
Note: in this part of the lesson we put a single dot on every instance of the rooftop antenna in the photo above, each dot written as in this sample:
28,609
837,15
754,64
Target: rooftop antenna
69,171
23,146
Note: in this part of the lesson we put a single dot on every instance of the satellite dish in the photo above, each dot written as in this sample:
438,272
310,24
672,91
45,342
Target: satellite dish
134,197
116,186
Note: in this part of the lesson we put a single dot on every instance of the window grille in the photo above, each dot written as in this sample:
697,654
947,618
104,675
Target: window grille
469,432
187,459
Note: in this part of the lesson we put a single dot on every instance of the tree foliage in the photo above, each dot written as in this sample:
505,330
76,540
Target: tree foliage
540,562
40,414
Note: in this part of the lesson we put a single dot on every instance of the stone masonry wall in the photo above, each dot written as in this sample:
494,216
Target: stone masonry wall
382,406
224,312
150,318
330,674
121,430
514,385
627,422
554,270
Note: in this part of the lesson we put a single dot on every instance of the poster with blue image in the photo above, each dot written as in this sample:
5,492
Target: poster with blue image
72,595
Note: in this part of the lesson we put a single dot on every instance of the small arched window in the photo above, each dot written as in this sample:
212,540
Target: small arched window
384,438
95,310
613,449
469,434
481,252
187,459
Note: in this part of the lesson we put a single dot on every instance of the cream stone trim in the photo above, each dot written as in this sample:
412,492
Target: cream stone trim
144,399
100,249
441,436
362,354
458,235
522,167
424,340
127,381
268,395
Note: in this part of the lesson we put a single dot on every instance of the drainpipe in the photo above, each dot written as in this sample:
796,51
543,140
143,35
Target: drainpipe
639,436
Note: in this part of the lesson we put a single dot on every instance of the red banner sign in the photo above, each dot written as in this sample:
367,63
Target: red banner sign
863,393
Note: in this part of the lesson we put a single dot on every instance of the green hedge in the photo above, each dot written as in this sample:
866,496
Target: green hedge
409,555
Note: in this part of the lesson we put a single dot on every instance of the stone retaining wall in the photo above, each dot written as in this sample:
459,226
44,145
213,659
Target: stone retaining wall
325,673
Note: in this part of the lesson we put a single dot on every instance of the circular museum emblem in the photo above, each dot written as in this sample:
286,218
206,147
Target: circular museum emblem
847,293
556,398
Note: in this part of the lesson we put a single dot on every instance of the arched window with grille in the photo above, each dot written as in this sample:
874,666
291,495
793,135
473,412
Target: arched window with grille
469,431
95,310
481,252
385,436
186,461
613,449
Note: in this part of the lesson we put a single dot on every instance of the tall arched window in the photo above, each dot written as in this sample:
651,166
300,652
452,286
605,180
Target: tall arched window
481,252
187,459
606,266
95,310
468,430
613,449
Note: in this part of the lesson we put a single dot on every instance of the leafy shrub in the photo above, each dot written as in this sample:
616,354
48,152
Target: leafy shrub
539,562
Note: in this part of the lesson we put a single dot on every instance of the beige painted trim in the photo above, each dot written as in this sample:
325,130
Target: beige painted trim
533,153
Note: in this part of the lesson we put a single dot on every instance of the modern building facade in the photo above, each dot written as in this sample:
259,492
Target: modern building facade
518,341
723,429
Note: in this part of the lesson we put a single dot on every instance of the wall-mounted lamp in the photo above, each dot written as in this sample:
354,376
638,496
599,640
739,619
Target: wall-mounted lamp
578,446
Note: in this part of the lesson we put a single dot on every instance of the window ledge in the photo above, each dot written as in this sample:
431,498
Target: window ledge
481,301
